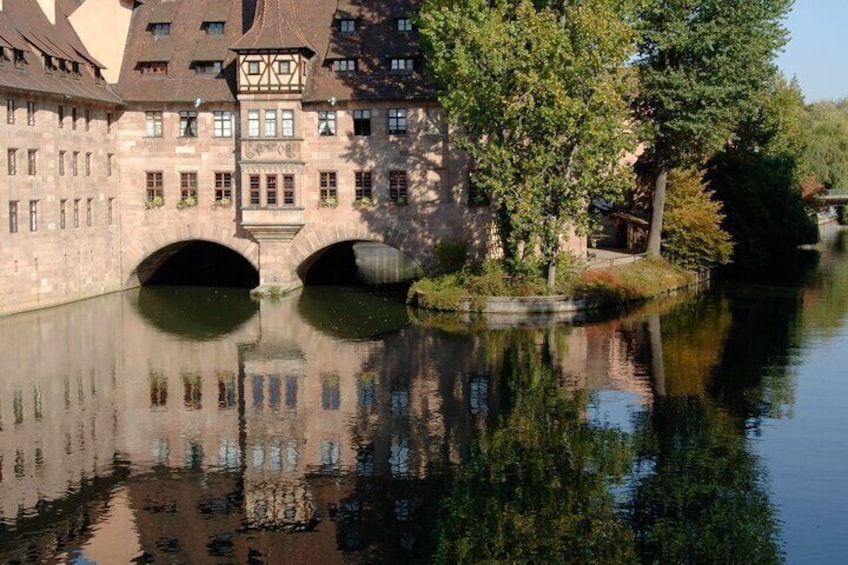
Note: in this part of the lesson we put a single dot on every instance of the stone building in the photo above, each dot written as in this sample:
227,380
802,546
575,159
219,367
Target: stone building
273,128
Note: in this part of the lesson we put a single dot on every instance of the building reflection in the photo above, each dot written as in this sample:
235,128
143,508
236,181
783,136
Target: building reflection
274,426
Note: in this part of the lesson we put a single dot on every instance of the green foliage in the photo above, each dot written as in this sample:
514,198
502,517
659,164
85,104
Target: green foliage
764,212
826,124
536,95
693,237
701,67
450,256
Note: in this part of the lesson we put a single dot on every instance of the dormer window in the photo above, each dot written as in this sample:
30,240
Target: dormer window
160,29
403,24
213,28
19,56
402,64
153,68
207,67
75,68
347,25
344,65
63,65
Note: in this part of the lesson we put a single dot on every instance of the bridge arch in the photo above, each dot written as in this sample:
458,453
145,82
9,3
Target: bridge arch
309,246
164,241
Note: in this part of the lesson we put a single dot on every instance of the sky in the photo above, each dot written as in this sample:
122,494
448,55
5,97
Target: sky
817,52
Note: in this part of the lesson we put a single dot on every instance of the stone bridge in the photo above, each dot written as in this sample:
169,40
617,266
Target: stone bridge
282,243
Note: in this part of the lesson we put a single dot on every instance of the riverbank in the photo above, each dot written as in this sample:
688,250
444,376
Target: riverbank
576,291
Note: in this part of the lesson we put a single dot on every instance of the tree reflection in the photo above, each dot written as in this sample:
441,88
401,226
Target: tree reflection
537,488
702,498
699,493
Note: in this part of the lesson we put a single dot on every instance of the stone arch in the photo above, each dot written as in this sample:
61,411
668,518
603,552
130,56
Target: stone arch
153,240
307,244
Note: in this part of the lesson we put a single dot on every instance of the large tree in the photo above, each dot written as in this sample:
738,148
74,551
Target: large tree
701,66
535,94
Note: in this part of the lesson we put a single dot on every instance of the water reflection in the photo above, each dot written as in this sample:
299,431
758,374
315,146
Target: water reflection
329,428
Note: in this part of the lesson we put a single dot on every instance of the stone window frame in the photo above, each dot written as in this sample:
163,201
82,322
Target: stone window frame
188,185
188,123
328,187
153,123
362,122
363,183
222,121
154,185
396,121
327,122
398,186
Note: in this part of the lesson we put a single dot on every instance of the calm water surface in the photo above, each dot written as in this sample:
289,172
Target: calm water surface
335,426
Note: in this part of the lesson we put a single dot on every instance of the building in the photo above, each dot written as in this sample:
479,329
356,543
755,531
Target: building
273,128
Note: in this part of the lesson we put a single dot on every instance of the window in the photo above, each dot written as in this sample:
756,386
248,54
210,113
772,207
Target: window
30,113
344,65
76,212
154,186
31,161
153,67
347,26
75,163
60,114
188,124
223,186
271,190
89,202
88,164
109,122
255,186
10,111
110,210
362,185
154,124
402,65
109,164
208,67
223,123
287,123
253,123
327,122
327,183
284,67
362,122
398,189
288,190
61,163
397,121
160,29
12,161
33,215
253,67
213,28
270,123
74,116
188,186
62,205
87,114
13,216
404,24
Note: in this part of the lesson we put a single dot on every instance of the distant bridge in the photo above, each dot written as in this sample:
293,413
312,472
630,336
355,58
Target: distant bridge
833,199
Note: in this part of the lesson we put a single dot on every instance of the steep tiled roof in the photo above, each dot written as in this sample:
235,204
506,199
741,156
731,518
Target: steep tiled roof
187,43
378,41
23,26
279,24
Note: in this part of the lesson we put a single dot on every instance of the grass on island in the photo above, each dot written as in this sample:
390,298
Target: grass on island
632,282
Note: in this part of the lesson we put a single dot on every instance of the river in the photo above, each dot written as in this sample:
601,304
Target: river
191,425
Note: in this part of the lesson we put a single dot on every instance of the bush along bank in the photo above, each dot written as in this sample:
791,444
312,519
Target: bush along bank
490,289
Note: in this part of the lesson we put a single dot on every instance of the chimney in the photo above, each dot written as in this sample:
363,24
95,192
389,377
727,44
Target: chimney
49,9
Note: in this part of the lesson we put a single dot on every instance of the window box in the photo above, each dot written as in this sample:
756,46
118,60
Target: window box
186,203
363,202
223,203
153,203
328,203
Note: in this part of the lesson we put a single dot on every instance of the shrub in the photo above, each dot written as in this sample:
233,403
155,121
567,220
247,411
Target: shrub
692,234
450,256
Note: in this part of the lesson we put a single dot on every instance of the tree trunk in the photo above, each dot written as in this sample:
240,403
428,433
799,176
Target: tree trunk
552,273
657,210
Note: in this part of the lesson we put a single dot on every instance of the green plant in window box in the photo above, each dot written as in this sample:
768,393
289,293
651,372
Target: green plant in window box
363,202
400,201
328,203
187,203
224,203
155,202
